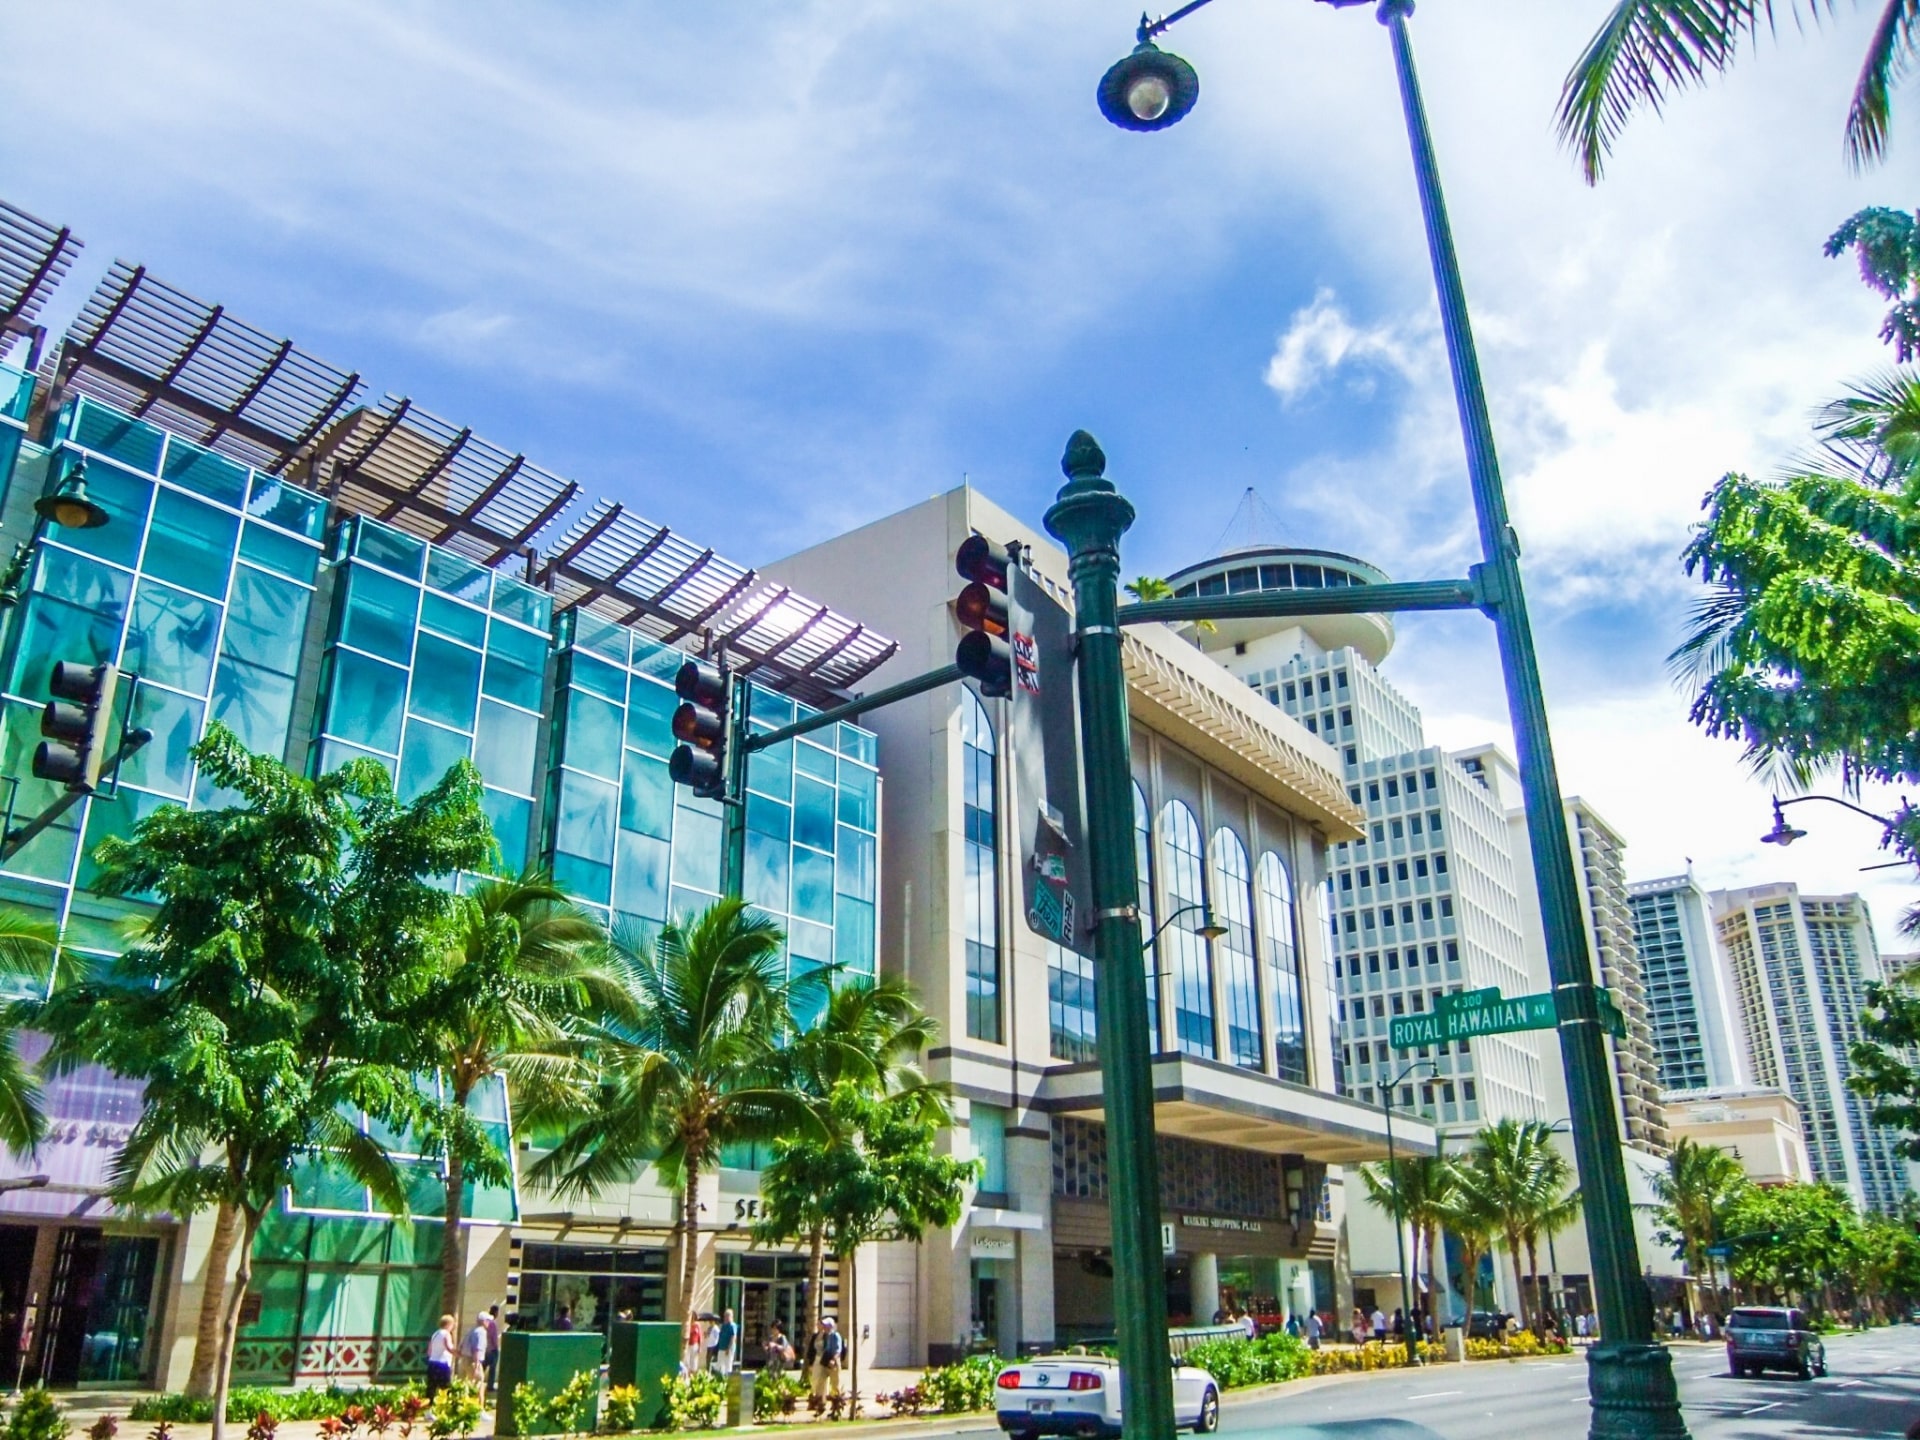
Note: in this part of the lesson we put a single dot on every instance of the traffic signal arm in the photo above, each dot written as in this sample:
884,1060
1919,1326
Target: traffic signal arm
16,840
906,689
1336,600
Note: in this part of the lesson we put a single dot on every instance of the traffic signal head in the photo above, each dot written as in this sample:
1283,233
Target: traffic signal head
77,724
984,653
699,761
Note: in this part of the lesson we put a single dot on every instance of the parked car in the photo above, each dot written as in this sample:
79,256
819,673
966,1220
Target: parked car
1769,1337
1079,1395
1487,1324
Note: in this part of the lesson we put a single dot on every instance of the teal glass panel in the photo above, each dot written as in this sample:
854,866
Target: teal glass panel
585,823
593,733
318,1185
858,744
810,759
132,442
650,710
365,706
770,771
256,704
584,672
859,796
426,1188
512,819
601,637
640,875
854,870
458,576
656,661
76,613
389,549
171,637
335,753
812,886
810,942
696,846
504,746
516,666
813,806
446,682
278,1287
287,506
585,879
16,392
206,473
115,817
769,871
163,762
380,614
428,754
646,798
522,603
771,706
811,991
126,498
686,905
448,617
266,621
279,552
853,933
190,544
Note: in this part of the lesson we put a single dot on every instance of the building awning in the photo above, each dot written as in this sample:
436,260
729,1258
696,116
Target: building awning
1226,1105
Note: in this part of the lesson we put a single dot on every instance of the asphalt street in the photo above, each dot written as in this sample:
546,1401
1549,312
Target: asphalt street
1872,1389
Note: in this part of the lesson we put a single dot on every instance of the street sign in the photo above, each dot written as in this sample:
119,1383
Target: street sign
1721,1251
1058,883
1498,1016
1166,1238
1468,1000
1612,1020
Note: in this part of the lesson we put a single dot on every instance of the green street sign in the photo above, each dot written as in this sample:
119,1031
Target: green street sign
1467,1000
1612,1019
1463,1021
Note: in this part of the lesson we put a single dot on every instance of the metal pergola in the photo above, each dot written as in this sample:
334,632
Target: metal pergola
34,259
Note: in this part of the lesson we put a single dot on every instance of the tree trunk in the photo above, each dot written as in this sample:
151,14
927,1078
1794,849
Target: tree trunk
850,1305
689,1243
206,1338
1432,1233
1519,1275
1533,1285
1470,1285
816,1284
453,1243
230,1333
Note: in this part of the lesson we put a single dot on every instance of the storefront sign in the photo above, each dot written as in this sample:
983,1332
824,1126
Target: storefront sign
1221,1222
992,1247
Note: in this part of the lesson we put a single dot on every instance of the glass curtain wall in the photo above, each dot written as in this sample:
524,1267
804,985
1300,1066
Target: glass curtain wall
1233,951
1274,886
1143,865
980,884
1184,868
1072,1004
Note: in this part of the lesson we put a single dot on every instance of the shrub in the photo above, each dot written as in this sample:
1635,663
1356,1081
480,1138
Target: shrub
909,1401
1266,1361
263,1427
528,1406
571,1411
1345,1359
456,1412
694,1401
626,1410
244,1402
36,1417
776,1395
105,1428
1516,1346
958,1389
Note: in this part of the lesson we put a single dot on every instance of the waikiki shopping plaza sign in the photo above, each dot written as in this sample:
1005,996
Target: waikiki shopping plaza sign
1487,1012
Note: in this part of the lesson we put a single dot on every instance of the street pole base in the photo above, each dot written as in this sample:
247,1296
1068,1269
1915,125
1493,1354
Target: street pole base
1633,1392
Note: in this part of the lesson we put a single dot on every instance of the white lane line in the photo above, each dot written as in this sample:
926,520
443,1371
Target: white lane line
1436,1395
1770,1405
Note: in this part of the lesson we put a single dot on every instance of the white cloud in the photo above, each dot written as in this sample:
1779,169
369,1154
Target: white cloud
1320,340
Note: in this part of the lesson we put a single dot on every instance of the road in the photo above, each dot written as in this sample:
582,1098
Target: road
1872,1389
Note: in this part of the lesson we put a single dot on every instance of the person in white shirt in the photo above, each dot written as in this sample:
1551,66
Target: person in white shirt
440,1358
473,1353
1249,1326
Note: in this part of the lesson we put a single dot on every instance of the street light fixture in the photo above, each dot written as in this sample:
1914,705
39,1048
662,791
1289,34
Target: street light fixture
70,507
1407,1326
1629,1375
1208,928
1784,834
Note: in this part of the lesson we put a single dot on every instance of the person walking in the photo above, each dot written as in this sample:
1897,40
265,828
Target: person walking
779,1352
1379,1325
826,1373
692,1347
1315,1329
440,1358
492,1319
726,1338
1357,1327
473,1352
1249,1327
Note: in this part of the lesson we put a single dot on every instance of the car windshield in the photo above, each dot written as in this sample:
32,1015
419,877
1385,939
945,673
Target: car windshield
1759,1320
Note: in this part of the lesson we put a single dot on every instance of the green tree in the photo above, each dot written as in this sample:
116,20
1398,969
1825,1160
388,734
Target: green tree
1697,1191
1418,1190
1550,1202
1521,1181
1883,1068
512,998
1887,243
1888,1275
263,1004
1646,51
26,962
1791,1241
695,1061
1149,587
1473,1218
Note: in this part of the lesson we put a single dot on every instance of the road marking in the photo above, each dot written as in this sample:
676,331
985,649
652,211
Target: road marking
1847,1384
1770,1405
1436,1394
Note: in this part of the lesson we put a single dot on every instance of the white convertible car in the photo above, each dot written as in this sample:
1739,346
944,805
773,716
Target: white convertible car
1079,1395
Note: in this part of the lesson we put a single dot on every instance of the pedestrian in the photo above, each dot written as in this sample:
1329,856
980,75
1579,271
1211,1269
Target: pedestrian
493,1344
1314,1329
779,1352
473,1352
1399,1325
440,1358
564,1320
1293,1326
1357,1327
692,1347
1249,1326
826,1373
726,1336
1379,1325
1593,1325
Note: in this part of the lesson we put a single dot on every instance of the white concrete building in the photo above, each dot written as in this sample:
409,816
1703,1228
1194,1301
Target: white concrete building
1697,1040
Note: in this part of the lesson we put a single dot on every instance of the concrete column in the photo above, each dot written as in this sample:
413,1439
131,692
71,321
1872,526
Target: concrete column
1028,1315
1204,1279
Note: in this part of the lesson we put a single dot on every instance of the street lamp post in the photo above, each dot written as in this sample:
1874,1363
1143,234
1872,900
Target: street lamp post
1630,1376
1407,1326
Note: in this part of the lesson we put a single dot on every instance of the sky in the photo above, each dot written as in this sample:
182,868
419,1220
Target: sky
767,272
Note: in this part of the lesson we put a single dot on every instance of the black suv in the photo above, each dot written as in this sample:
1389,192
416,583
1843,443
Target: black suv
1765,1337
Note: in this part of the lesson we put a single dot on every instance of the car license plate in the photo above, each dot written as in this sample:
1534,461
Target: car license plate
1039,1407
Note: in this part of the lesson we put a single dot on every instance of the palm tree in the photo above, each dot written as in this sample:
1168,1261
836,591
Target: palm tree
696,1062
1695,1191
1552,1204
520,983
1417,1189
1646,50
1473,1217
1149,587
1506,1155
26,953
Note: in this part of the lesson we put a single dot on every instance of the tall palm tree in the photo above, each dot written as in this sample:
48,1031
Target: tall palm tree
1151,587
1473,1218
1552,1204
26,959
1695,1191
519,986
1506,1155
1418,1189
696,1062
1646,50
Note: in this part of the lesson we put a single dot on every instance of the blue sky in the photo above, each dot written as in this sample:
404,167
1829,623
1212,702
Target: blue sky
770,271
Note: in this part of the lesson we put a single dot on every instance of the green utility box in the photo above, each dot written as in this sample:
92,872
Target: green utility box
645,1355
550,1359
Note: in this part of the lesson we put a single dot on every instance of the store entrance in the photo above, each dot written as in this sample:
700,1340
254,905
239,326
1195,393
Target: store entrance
764,1290
98,1308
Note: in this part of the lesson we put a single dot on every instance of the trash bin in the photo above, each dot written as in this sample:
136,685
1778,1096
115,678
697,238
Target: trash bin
645,1354
1455,1341
550,1360
742,1397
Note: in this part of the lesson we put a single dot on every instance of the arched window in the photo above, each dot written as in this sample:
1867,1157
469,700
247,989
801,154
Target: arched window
1275,889
1143,863
1331,981
1233,951
1186,951
980,885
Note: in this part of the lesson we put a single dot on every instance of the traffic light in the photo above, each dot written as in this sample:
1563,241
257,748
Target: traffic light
77,725
700,724
985,652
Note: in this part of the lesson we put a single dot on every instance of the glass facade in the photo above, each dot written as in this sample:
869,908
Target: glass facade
980,884
1233,951
1149,924
1186,949
1274,886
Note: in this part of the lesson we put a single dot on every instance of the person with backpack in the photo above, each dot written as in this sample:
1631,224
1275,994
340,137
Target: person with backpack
826,1371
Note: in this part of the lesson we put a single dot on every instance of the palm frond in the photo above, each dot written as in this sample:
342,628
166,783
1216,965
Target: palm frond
1890,56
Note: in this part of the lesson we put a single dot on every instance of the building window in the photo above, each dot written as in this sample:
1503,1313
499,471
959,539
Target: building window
1186,950
987,1129
1143,866
1071,1008
1239,972
981,885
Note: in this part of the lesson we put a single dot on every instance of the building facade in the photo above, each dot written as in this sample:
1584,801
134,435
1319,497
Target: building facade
1759,1128
1235,806
1800,965
1697,1042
